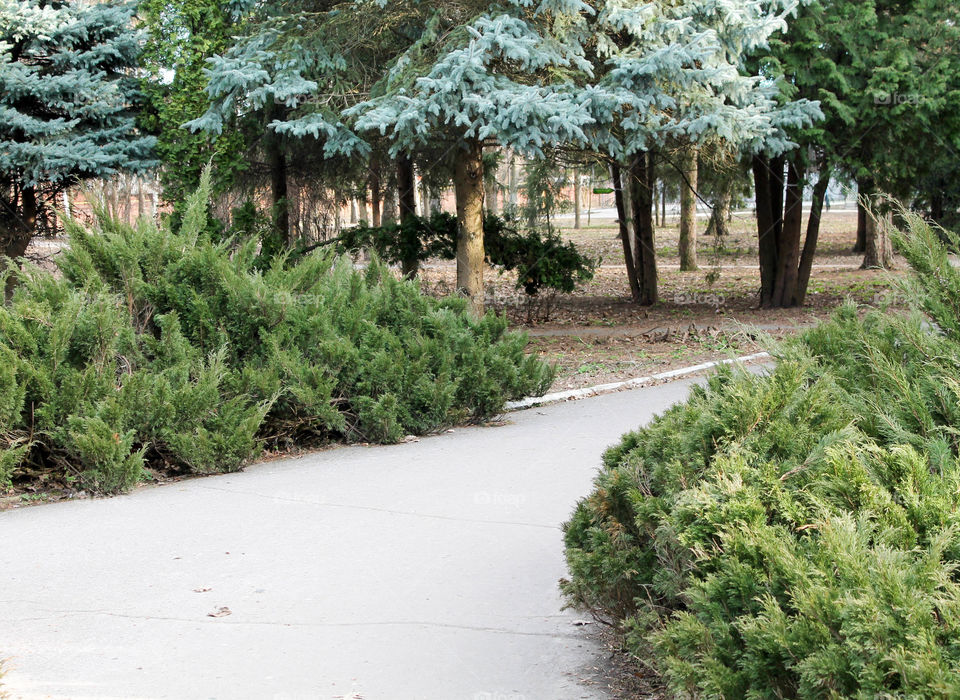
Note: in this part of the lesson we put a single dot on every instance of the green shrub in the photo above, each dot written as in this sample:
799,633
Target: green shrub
541,259
165,350
795,534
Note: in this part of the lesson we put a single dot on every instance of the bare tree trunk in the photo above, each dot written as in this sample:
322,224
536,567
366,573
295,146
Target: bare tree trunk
16,231
785,288
576,199
767,179
390,205
719,216
277,164
663,203
656,205
861,245
624,232
813,234
879,252
490,191
514,184
688,210
468,182
376,193
407,193
644,253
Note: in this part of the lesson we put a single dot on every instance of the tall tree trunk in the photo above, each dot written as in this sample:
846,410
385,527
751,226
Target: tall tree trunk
879,252
277,165
719,216
468,183
656,206
513,185
576,199
16,231
937,206
641,199
813,234
861,245
688,210
785,287
766,228
615,176
354,213
490,199
407,195
663,203
376,193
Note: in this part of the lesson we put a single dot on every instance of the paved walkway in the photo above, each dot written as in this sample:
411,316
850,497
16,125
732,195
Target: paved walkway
423,570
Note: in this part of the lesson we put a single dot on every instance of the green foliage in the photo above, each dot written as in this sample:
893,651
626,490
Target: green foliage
795,534
66,105
541,260
162,349
181,36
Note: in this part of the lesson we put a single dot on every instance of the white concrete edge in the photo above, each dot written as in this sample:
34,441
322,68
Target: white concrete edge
574,394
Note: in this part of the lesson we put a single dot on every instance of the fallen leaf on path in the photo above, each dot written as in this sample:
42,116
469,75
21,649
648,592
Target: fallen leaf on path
201,590
220,612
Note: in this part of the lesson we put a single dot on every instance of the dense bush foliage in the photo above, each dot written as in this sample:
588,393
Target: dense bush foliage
165,349
541,260
796,534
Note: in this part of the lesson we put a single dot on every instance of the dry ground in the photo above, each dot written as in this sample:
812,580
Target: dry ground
597,335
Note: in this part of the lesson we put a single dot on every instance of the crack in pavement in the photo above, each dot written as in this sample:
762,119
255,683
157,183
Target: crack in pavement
306,625
346,506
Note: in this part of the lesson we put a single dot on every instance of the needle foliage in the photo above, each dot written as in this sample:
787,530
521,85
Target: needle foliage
796,534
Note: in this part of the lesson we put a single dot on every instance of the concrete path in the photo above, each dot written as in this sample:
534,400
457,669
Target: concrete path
423,570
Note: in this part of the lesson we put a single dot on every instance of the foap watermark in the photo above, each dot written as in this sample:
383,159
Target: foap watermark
498,695
890,297
699,299
899,98
485,498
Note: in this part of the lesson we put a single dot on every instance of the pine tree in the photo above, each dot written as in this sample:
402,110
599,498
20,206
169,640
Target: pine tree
181,36
678,74
67,106
480,74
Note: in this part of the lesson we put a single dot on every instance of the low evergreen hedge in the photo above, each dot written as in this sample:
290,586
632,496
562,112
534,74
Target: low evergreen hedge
797,534
163,349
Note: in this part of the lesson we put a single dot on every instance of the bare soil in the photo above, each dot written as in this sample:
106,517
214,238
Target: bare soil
597,335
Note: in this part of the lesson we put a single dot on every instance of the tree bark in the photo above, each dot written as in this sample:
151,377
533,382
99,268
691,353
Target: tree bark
766,228
688,210
16,231
490,192
376,193
277,165
879,247
656,206
813,234
513,185
861,245
468,183
663,203
576,200
641,199
615,176
407,196
719,216
788,261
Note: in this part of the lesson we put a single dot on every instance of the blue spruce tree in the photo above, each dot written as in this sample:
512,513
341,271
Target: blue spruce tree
68,97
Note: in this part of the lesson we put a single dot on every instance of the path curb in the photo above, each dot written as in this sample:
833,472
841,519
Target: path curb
636,382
